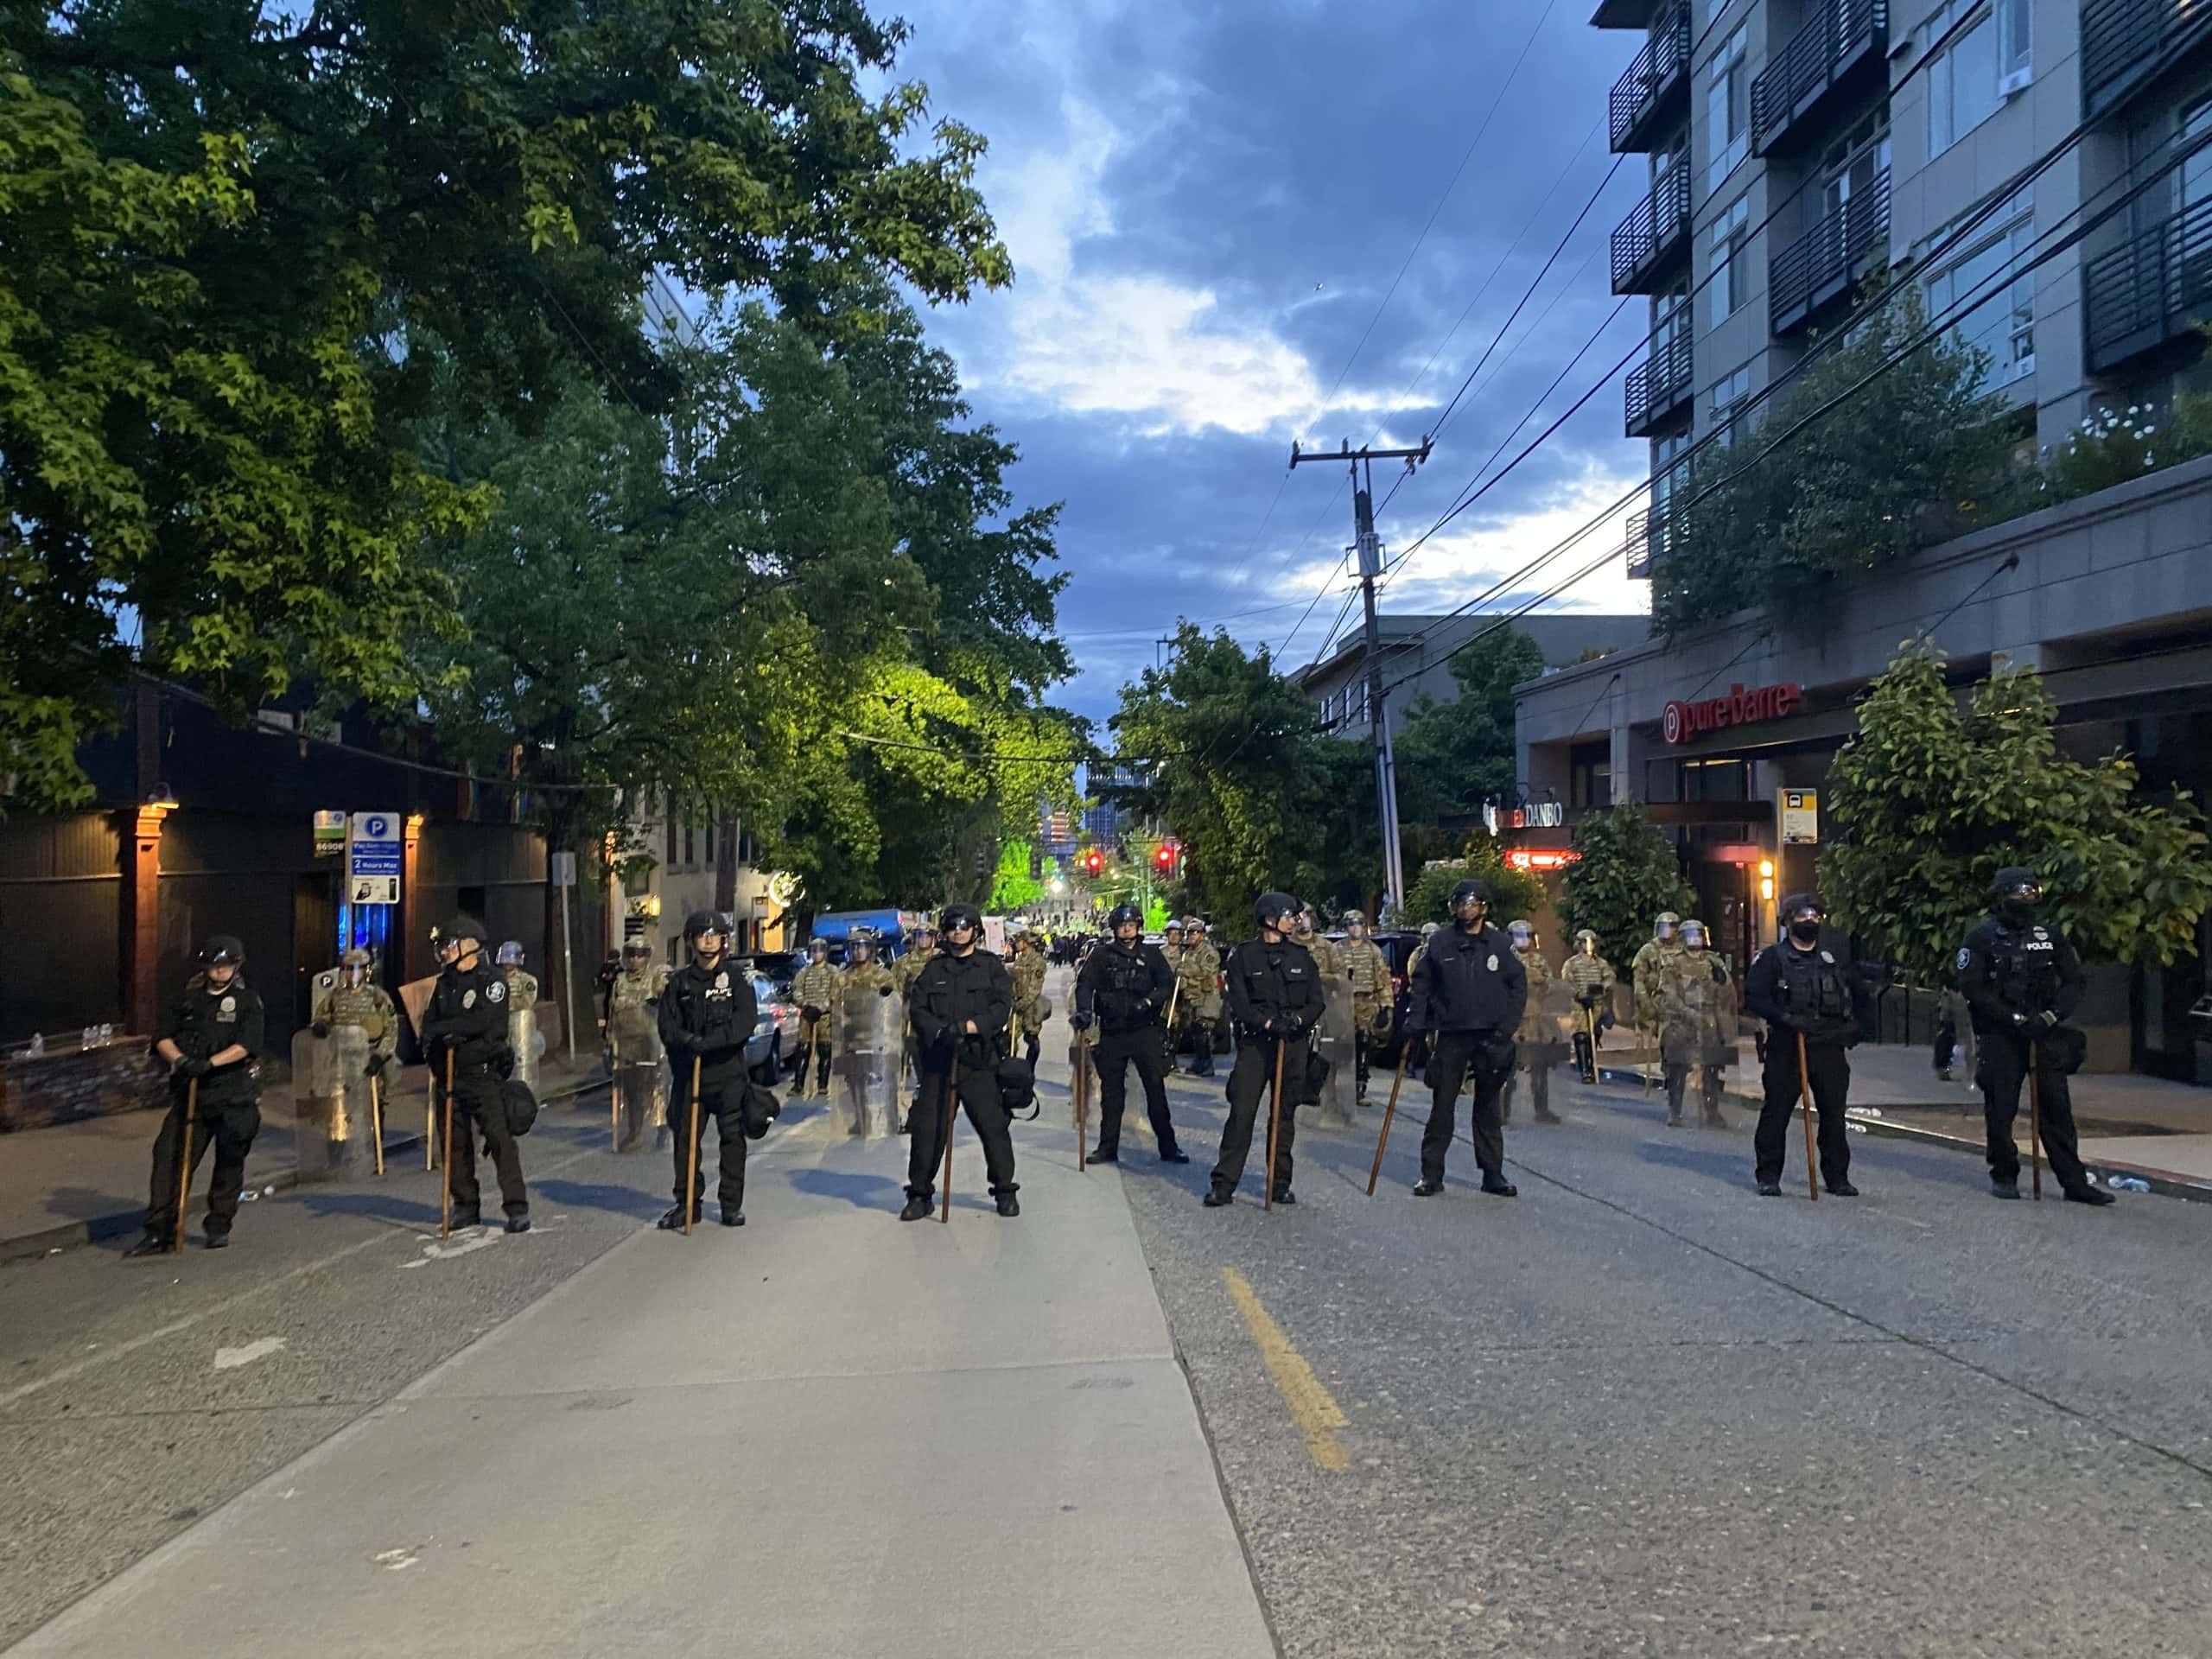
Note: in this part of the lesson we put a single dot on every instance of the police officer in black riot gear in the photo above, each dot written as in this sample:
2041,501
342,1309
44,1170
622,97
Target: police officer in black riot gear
467,1019
1801,987
961,1005
2021,980
1275,1000
211,1036
1125,988
707,1013
1470,995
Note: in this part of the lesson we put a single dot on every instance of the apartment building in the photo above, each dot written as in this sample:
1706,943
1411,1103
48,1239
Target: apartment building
1873,130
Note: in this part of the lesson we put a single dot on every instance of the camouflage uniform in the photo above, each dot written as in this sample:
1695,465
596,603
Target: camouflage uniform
367,1007
1026,969
816,986
904,972
1536,1039
1651,973
635,1052
1591,978
1373,999
1698,1028
1197,999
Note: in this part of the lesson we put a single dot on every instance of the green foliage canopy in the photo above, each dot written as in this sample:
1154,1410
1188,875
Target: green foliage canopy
1627,874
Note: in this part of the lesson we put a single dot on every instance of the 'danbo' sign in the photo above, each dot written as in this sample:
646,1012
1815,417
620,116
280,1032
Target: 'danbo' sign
1681,721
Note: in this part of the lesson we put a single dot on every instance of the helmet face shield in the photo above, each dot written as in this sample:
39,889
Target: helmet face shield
1663,929
1693,937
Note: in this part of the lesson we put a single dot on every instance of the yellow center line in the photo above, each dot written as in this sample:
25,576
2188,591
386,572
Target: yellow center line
1312,1407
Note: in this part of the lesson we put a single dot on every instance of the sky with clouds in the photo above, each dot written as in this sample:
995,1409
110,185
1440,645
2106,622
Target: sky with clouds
1207,203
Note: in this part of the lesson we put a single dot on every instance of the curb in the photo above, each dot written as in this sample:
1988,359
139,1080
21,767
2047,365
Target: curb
95,1229
2164,1183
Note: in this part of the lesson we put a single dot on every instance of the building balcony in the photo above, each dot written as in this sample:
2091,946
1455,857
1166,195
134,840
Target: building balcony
1647,543
2149,291
1654,239
1839,56
1624,14
2128,44
1653,98
1821,269
1658,393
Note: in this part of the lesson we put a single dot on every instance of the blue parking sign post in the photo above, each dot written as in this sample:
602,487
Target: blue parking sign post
374,858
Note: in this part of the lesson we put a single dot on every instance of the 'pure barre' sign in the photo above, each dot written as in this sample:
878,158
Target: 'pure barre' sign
1681,721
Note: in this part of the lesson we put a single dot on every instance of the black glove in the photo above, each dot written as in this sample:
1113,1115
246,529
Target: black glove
809,1011
322,1028
1720,973
376,1064
193,1065
1079,1020
1606,1021
883,991
502,1062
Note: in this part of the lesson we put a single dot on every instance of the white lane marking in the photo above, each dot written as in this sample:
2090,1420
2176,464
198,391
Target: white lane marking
464,1244
397,1561
229,1359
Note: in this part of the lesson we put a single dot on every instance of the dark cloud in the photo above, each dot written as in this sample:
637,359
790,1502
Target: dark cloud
1279,160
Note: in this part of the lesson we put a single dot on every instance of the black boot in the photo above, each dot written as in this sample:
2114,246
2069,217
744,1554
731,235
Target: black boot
733,1218
1284,1195
1770,1189
1009,1206
1175,1155
518,1224
2095,1195
918,1209
222,1241
463,1219
1545,1115
1426,1188
672,1222
152,1244
1999,1187
1498,1187
1107,1155
1218,1195
1843,1189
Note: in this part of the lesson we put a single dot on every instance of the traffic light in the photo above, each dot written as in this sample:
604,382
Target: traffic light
1094,862
1165,856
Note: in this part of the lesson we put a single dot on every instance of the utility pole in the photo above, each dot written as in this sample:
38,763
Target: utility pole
1370,549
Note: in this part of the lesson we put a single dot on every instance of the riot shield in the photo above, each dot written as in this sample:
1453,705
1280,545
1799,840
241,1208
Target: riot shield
639,1104
1701,1021
1332,1100
524,1035
1544,1027
864,1067
334,1112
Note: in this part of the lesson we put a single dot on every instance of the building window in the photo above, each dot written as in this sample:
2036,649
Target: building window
1731,279
1965,262
1724,401
1670,478
1728,107
1988,61
667,805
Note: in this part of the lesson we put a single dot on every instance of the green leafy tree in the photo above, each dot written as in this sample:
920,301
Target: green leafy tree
1626,875
1920,453
1454,757
1933,800
1014,888
248,251
1512,893
1223,741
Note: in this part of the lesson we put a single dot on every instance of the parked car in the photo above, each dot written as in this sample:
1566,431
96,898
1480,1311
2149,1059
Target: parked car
775,1037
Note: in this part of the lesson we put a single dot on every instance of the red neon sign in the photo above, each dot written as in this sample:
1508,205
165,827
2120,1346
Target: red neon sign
1540,860
1680,722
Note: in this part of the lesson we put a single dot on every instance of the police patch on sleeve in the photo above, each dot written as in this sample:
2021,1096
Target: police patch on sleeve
1966,958
468,1000
496,990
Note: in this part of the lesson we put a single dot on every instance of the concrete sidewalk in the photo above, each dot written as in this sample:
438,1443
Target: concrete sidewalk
828,1434
80,1182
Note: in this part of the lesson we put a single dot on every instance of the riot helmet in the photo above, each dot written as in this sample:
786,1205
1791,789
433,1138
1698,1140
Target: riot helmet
1276,911
637,948
818,950
1523,933
1471,902
861,946
1355,925
353,967
1585,942
1125,915
1664,926
703,924
222,956
1695,937
2017,894
511,954
925,937
1802,916
1172,932
465,935
960,918
1430,929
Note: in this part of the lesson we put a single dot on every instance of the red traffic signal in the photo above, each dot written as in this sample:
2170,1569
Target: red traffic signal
1094,861
1165,857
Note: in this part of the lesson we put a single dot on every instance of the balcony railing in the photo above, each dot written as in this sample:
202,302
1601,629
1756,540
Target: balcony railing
2126,42
1660,388
1651,238
1645,544
1821,266
1655,87
1844,41
2149,291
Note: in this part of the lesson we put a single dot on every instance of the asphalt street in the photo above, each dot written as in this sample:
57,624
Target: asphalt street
1640,1410
1636,1410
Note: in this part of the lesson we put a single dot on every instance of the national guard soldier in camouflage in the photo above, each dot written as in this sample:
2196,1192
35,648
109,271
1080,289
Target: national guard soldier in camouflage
1372,993
634,1054
870,1027
1591,978
355,1030
815,988
1697,1024
904,972
1418,1060
1328,956
523,1033
1026,968
210,1036
1537,1038
1197,1002
1648,974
